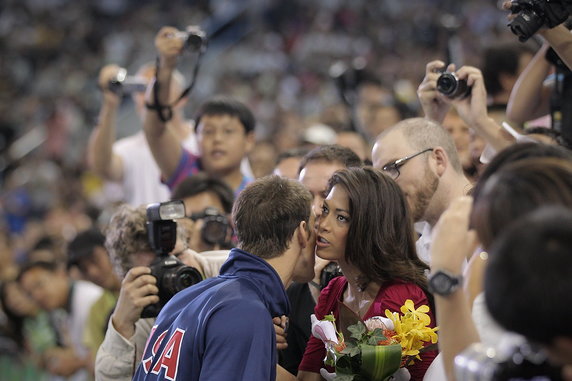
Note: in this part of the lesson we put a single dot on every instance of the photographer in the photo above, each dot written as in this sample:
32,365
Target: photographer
128,161
471,106
208,202
224,126
128,245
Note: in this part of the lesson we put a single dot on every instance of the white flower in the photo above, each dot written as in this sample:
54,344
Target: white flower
378,322
324,330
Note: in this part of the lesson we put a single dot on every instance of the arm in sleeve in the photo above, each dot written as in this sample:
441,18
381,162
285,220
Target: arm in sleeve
118,357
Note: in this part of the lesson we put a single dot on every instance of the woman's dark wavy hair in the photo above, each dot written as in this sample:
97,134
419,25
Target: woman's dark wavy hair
381,239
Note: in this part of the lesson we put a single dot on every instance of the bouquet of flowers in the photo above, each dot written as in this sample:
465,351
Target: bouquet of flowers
377,348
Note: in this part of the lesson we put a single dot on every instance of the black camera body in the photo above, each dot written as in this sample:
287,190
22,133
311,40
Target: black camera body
215,228
521,362
451,86
195,39
123,84
331,271
172,275
533,14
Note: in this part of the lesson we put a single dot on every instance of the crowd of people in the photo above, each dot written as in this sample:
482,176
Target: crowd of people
324,171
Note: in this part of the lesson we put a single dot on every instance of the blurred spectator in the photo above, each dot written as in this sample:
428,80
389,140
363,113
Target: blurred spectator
288,163
502,65
87,252
129,160
68,303
208,203
262,158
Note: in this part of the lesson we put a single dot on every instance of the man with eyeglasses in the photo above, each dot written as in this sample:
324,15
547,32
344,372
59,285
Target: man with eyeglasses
421,157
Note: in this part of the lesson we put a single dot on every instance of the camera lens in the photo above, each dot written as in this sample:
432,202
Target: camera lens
214,230
525,24
186,277
194,41
449,85
178,278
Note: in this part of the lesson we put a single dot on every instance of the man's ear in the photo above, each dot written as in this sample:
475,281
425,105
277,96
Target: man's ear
250,141
441,160
303,234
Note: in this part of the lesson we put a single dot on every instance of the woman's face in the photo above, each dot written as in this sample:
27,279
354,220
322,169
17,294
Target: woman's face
333,225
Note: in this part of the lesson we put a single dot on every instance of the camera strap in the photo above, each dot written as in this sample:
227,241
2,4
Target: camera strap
165,112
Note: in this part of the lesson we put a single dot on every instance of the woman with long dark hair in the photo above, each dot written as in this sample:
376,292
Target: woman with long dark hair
366,228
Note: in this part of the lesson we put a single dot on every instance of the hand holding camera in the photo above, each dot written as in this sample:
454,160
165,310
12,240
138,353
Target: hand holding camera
471,103
171,42
435,105
106,74
170,273
528,16
138,290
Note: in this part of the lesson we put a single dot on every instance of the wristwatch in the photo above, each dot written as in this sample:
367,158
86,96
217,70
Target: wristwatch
444,283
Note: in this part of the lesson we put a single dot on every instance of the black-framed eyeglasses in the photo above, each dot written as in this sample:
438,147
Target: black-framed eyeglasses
392,169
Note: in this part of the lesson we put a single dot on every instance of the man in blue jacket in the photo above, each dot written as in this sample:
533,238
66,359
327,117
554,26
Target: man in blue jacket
221,328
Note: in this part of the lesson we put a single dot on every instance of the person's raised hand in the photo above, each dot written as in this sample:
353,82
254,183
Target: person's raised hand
169,44
106,74
435,105
138,290
472,108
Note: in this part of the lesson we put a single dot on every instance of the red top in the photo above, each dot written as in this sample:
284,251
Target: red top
392,296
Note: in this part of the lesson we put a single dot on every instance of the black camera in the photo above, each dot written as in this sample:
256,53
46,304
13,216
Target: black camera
122,84
449,85
521,362
195,39
331,271
172,275
215,228
533,14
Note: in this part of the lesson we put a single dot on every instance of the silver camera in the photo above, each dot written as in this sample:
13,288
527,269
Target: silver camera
123,84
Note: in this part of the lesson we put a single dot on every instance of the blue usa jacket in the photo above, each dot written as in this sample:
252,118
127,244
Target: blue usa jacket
220,328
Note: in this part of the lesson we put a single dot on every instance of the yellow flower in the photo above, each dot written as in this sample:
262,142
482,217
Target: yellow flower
411,328
419,313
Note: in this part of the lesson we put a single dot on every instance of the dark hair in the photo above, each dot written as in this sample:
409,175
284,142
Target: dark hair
200,183
83,244
294,152
381,239
332,153
528,275
267,213
515,153
501,59
221,105
48,266
555,135
517,189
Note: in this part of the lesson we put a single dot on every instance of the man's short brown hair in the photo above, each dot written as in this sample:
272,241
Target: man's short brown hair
267,213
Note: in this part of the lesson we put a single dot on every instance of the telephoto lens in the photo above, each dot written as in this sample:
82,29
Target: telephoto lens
452,87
